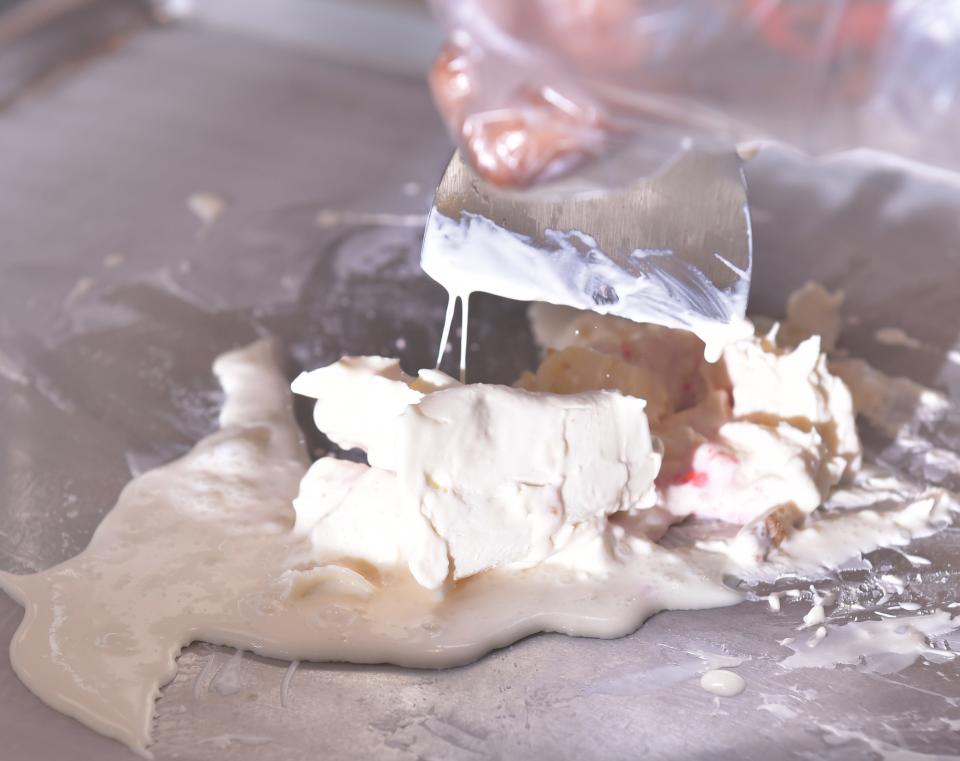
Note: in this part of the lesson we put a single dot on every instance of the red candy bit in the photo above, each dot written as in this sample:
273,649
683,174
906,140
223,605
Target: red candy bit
695,477
626,350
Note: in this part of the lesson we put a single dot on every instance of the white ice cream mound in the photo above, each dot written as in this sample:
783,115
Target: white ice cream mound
623,430
485,514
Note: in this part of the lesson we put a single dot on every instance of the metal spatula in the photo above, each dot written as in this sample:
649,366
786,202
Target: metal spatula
673,249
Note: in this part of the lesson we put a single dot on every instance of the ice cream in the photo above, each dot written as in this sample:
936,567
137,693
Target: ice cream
483,515
766,428
475,477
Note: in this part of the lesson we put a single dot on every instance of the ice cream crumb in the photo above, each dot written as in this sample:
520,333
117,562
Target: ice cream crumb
816,615
206,206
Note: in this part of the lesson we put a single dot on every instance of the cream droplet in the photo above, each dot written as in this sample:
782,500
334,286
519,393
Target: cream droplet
723,683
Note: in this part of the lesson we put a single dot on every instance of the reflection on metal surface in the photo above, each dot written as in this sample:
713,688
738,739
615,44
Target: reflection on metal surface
40,38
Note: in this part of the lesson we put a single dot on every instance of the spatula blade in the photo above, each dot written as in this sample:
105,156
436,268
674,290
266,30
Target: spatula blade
673,249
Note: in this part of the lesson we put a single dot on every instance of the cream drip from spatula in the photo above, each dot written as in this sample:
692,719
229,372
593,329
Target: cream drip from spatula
475,255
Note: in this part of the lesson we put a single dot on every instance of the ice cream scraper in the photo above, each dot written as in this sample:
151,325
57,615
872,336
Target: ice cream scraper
673,249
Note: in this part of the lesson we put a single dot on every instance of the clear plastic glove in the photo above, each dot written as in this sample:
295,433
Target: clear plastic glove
532,88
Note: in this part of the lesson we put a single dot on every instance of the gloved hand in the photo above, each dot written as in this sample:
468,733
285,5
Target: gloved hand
529,89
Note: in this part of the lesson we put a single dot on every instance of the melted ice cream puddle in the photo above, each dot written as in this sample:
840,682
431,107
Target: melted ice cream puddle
210,548
883,647
204,549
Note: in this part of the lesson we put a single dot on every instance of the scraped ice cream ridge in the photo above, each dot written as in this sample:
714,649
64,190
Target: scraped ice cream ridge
486,513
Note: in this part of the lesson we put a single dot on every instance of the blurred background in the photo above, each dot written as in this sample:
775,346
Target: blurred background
38,36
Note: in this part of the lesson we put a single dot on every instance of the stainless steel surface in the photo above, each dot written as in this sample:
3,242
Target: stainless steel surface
41,37
393,35
696,209
114,300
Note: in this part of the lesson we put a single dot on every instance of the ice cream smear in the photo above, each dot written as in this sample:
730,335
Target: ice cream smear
483,513
473,254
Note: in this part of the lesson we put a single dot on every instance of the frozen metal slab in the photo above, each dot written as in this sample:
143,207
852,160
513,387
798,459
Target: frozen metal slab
114,299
